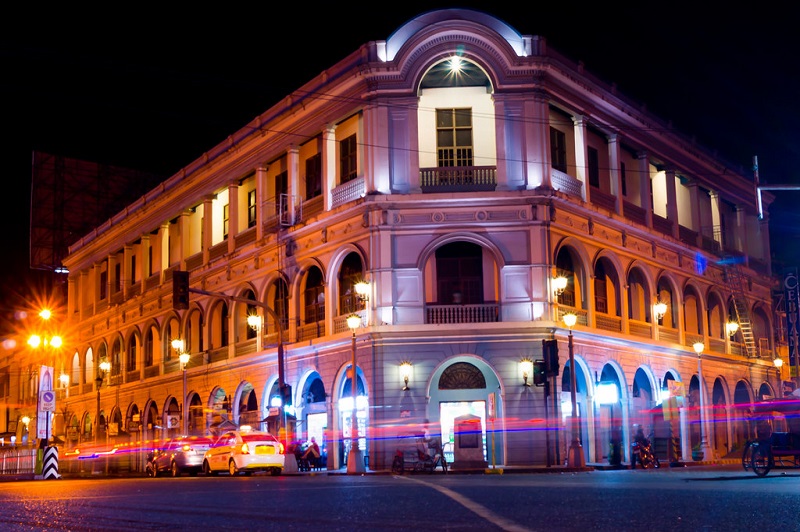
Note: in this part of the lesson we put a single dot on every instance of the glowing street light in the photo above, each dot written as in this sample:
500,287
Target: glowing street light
704,448
575,456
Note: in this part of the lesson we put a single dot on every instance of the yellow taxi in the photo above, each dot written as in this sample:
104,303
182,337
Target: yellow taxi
244,451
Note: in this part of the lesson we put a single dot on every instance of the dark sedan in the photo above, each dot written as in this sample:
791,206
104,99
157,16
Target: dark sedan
177,456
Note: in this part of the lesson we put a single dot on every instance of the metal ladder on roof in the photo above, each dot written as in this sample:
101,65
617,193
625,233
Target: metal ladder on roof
736,279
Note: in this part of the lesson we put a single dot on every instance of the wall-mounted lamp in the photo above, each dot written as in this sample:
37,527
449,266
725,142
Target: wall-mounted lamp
64,380
659,309
526,368
731,327
559,284
177,345
405,373
362,290
254,321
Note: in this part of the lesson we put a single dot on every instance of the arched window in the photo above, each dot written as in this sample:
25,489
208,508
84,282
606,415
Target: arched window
116,357
350,274
314,296
132,352
148,347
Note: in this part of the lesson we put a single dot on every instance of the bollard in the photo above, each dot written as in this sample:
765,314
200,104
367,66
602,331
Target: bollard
39,460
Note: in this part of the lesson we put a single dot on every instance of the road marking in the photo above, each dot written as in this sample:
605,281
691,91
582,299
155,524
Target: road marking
473,506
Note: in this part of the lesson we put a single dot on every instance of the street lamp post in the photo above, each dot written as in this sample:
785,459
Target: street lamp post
705,450
778,361
575,456
103,368
184,358
355,460
25,421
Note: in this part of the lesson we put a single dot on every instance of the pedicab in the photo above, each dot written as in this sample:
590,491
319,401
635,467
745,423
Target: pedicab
777,443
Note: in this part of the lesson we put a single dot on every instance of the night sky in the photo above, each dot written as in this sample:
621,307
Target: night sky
153,90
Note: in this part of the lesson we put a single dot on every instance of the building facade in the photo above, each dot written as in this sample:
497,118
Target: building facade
465,172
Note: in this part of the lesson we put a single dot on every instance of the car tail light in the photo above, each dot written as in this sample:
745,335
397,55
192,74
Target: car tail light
186,447
282,450
245,449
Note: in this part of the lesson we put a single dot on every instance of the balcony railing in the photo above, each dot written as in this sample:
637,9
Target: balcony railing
309,331
218,354
634,213
566,183
609,323
245,347
347,192
458,178
668,334
640,328
662,225
248,236
603,199
442,314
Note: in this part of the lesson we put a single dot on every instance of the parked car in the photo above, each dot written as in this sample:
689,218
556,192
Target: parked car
244,450
177,456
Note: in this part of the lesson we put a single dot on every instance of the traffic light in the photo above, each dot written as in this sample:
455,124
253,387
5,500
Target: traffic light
550,355
286,395
539,378
180,290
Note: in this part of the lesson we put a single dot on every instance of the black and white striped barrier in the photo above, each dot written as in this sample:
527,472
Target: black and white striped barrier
50,463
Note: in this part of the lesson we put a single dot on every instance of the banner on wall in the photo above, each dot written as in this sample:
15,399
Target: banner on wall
671,407
792,297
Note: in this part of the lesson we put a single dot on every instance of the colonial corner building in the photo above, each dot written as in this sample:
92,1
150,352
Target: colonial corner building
484,187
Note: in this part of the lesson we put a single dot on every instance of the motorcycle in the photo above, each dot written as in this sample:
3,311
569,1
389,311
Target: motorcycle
643,452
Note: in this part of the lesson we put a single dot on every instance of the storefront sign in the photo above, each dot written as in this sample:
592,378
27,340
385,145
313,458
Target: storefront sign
792,296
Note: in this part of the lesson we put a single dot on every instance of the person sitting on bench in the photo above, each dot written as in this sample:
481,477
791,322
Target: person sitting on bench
312,452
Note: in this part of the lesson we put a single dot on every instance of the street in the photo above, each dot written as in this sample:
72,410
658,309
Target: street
696,498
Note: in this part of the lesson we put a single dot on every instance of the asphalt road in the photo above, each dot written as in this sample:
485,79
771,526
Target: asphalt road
698,498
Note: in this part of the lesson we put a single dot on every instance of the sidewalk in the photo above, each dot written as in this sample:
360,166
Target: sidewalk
500,469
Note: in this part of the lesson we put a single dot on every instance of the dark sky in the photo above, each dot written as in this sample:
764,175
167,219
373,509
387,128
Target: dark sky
153,90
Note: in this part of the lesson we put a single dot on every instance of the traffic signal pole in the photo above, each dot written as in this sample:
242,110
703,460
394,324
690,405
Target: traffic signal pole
180,301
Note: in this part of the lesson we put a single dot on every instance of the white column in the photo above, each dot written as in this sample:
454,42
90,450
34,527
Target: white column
615,174
329,154
672,201
233,215
645,188
293,181
537,146
581,154
261,184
